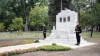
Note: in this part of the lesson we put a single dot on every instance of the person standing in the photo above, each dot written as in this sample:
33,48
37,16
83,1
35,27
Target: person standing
44,31
78,31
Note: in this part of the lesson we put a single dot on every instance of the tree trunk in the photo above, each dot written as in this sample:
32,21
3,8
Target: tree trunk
26,24
25,16
91,31
99,28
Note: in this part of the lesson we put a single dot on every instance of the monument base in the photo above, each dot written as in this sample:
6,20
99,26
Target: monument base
65,40
64,34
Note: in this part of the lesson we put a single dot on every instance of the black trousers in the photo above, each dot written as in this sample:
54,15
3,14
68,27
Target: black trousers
44,34
78,37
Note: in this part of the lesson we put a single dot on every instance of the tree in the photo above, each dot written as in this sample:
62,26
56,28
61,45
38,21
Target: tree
38,16
55,7
92,18
17,24
6,13
2,26
98,1
15,8
78,5
10,9
96,12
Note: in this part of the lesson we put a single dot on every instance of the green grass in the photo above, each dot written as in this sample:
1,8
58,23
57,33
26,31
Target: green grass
87,34
15,35
34,34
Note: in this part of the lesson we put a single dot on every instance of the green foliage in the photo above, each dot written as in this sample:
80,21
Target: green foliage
38,16
96,13
76,5
98,1
55,8
36,41
91,18
10,9
54,44
54,48
17,24
42,2
2,26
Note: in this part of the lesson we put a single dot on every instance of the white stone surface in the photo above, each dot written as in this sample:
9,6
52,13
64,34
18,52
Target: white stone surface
64,32
67,26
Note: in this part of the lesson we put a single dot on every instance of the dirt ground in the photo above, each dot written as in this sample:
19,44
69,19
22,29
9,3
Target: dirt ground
93,50
15,41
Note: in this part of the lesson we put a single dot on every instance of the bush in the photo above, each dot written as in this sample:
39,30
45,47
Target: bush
36,41
54,48
2,26
54,44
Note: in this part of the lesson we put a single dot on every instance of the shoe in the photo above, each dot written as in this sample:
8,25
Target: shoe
77,44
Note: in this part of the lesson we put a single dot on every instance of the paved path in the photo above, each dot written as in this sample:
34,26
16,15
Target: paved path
26,46
93,50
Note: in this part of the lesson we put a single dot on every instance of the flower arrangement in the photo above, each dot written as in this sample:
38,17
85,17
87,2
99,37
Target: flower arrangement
52,47
18,51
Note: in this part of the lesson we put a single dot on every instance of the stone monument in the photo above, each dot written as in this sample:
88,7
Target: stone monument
64,31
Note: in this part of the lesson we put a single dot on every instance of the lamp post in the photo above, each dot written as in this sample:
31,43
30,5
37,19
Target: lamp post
79,4
61,4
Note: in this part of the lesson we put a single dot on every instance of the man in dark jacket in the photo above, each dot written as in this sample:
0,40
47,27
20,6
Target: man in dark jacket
78,31
44,31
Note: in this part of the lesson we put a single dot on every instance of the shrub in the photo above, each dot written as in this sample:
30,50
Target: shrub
54,48
2,26
54,44
36,41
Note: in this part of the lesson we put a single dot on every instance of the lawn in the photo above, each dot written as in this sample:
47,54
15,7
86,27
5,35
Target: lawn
86,34
36,35
14,38
16,35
